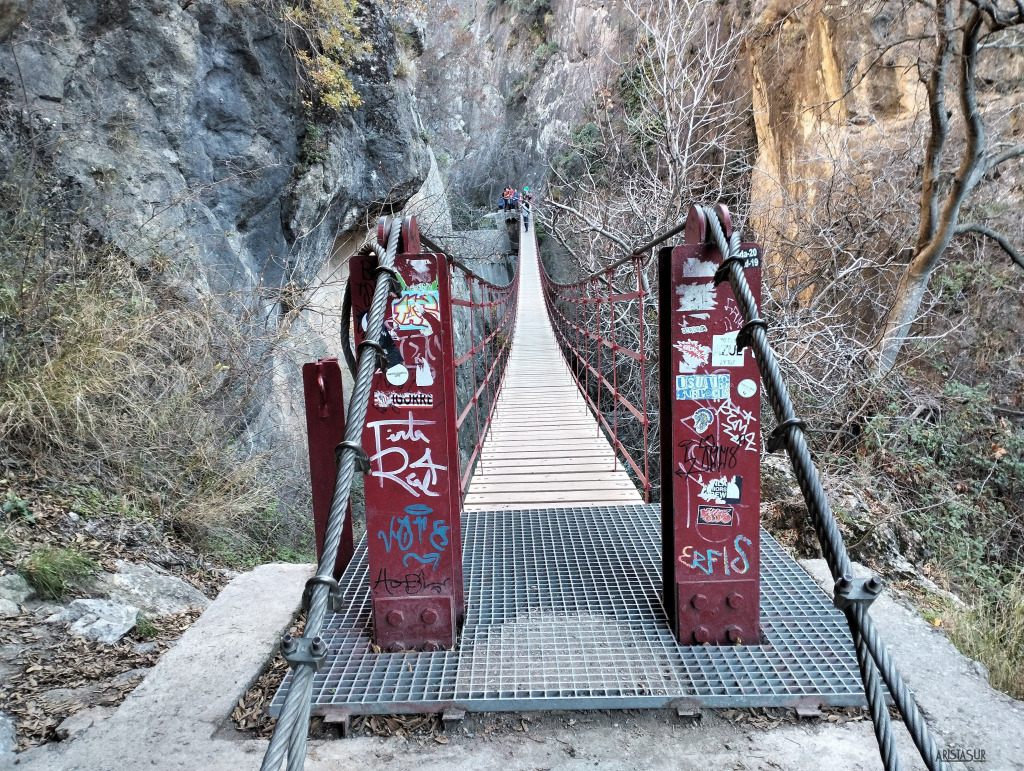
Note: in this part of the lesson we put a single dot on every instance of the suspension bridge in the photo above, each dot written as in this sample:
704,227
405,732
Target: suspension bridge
513,558
544,448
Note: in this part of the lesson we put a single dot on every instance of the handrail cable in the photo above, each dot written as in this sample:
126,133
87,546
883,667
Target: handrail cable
306,653
852,595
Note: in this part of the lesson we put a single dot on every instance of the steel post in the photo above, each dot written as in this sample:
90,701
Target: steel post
412,490
711,447
325,430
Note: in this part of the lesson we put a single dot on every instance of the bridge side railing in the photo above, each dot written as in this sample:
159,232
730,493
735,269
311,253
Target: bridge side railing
489,312
610,360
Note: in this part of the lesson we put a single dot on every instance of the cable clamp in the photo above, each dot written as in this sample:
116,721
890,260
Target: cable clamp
330,583
382,356
362,459
722,274
745,336
850,591
396,281
303,651
777,438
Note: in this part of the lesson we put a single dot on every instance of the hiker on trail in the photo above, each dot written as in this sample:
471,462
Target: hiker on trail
506,198
515,200
527,200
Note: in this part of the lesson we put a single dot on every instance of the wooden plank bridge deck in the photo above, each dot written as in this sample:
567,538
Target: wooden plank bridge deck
544,448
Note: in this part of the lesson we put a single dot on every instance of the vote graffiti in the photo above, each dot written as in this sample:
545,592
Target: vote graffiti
409,531
708,560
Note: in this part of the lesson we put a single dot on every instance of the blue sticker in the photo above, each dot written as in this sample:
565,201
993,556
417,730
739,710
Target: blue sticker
705,387
702,419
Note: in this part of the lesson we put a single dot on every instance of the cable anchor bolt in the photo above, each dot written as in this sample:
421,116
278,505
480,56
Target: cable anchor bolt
303,651
745,337
850,591
777,438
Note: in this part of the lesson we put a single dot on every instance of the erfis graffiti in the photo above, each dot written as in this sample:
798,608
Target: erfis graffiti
718,561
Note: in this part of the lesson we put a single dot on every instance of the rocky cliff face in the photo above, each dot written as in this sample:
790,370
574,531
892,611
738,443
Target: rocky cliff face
502,83
181,132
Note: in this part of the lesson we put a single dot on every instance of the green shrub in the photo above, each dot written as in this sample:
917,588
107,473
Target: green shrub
144,628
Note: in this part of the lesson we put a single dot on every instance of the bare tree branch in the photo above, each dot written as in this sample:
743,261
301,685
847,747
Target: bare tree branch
591,226
999,238
939,124
1006,155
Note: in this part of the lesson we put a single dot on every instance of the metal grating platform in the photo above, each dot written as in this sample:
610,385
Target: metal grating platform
564,612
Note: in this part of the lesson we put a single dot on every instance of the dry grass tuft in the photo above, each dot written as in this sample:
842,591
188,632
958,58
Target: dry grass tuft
113,375
992,632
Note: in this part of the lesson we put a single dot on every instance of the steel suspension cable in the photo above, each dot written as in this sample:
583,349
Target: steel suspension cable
292,729
873,656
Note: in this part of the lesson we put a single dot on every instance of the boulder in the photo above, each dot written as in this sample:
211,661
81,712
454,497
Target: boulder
155,594
9,609
103,620
15,588
81,721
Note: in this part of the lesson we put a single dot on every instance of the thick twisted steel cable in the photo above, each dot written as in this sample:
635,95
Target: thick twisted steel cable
293,725
865,635
876,700
912,717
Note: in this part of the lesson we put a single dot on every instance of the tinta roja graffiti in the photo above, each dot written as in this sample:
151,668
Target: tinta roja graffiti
391,459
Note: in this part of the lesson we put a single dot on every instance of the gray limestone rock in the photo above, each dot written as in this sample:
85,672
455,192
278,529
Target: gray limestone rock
82,721
9,609
12,13
8,736
15,588
182,130
102,620
155,594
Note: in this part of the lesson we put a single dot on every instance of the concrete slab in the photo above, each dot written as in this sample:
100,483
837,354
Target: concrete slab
178,718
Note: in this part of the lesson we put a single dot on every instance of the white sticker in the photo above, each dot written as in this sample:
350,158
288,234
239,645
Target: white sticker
723,351
397,375
720,490
702,420
694,268
746,388
692,355
424,375
693,330
696,297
